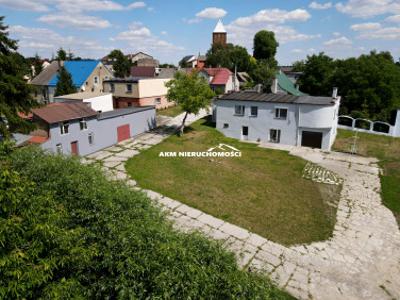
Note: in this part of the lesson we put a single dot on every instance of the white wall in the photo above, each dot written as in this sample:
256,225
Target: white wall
152,87
101,103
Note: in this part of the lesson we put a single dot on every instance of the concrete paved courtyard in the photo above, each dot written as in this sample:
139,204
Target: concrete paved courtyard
360,261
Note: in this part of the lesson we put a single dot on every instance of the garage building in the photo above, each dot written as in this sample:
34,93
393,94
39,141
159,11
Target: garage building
75,128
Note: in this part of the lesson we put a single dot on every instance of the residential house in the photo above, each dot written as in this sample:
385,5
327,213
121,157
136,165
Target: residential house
138,92
290,73
75,128
98,101
278,118
193,61
87,75
283,85
152,72
134,58
221,80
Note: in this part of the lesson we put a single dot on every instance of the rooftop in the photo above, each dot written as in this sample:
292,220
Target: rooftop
123,111
287,85
59,112
277,98
80,70
82,95
46,75
220,75
219,28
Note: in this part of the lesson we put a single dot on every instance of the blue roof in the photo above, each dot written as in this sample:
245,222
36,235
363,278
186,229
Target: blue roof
80,70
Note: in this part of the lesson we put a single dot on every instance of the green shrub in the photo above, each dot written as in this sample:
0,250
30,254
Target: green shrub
67,232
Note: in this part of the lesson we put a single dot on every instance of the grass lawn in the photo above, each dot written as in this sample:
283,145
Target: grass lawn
387,150
262,191
172,111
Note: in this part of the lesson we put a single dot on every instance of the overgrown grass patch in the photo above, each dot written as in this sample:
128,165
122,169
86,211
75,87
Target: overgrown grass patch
387,150
68,233
172,111
262,191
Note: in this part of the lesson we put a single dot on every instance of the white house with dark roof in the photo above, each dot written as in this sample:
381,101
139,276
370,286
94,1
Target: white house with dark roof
278,118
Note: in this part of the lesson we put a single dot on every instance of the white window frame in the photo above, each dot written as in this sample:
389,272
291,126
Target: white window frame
278,132
91,138
157,100
64,128
242,110
278,113
82,124
59,148
251,111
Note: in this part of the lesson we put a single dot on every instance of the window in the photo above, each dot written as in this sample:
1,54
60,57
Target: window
91,138
83,124
96,80
281,113
112,88
239,110
226,125
157,101
129,104
254,111
274,135
59,148
64,127
245,131
129,88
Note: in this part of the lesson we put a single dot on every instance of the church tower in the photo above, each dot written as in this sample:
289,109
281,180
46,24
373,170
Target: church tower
219,34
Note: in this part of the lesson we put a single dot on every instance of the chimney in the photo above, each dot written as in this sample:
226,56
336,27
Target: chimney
274,87
258,88
335,92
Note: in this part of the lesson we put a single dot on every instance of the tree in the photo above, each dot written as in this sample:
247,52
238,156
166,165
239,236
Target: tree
191,92
369,85
265,45
316,79
229,56
77,235
64,85
15,94
61,54
122,65
37,65
263,74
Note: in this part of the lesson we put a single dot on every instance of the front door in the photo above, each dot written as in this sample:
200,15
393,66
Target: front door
74,148
245,132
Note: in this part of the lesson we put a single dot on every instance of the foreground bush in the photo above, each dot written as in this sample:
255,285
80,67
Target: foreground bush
66,232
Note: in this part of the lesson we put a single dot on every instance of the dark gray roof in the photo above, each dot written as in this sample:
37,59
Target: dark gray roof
46,75
124,80
278,98
166,73
123,111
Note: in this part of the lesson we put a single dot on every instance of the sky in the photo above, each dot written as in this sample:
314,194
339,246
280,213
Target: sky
169,29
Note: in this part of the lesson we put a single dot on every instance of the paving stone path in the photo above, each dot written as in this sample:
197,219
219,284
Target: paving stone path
360,261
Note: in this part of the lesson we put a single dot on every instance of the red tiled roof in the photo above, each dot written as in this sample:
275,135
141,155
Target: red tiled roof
25,116
220,75
58,112
142,71
37,140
